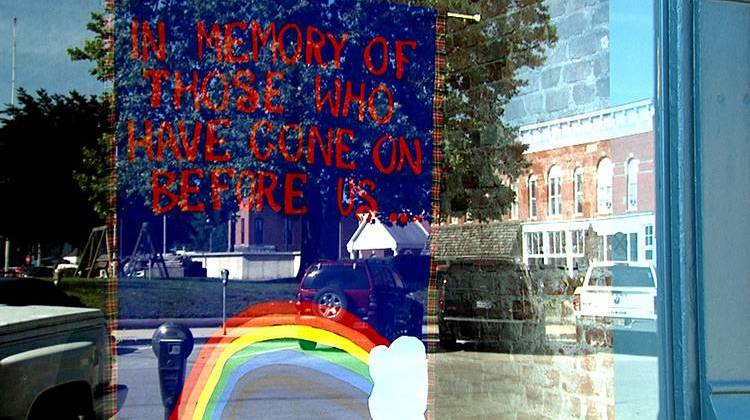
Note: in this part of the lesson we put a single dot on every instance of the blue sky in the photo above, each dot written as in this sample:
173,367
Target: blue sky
631,50
45,30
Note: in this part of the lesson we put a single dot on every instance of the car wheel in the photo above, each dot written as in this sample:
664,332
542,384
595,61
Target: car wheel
307,345
446,337
330,303
70,402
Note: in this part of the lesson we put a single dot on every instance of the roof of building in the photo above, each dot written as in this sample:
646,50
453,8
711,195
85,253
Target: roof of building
496,241
378,235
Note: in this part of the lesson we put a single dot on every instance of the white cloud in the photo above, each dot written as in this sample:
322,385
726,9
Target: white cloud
399,376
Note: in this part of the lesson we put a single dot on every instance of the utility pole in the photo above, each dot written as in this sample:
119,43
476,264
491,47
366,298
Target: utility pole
6,263
13,67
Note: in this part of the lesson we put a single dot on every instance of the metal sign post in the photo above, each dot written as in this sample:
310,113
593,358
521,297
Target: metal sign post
224,280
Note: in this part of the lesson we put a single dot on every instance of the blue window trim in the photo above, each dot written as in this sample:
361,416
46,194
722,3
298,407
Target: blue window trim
681,370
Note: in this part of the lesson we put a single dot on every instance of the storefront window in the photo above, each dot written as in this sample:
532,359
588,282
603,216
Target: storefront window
588,345
422,209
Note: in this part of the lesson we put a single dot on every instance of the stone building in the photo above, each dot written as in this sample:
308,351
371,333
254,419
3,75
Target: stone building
576,75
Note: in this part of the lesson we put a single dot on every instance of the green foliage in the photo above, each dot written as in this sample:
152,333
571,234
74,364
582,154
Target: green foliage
483,60
98,49
482,63
93,176
140,298
41,143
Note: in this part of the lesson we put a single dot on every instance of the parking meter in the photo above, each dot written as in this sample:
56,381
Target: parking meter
172,344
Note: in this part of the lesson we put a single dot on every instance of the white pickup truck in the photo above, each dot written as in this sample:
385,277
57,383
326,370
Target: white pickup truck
621,293
54,362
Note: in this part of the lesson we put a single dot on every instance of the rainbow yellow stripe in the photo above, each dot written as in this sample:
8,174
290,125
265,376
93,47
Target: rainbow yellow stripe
259,341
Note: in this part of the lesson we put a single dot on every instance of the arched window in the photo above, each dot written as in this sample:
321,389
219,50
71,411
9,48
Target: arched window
578,190
604,186
632,171
554,189
532,197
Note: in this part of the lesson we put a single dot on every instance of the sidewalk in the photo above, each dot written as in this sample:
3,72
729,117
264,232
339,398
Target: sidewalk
138,332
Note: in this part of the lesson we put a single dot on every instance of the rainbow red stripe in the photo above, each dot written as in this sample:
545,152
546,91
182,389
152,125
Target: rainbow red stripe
267,335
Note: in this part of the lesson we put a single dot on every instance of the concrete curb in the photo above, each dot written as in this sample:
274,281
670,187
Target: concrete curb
126,342
141,324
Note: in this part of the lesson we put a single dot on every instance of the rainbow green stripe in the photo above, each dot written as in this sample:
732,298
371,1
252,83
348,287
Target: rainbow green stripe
331,362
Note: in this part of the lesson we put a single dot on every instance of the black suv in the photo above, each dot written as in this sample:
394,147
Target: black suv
496,305
371,290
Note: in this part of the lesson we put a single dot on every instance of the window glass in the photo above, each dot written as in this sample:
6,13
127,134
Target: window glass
554,187
532,196
622,276
258,231
578,190
538,220
649,242
604,186
588,113
578,242
288,232
633,245
343,276
382,277
632,173
397,281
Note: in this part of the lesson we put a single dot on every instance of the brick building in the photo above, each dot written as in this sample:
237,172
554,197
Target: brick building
266,230
589,193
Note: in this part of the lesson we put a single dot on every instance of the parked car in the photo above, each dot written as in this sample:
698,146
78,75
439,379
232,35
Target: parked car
621,293
41,271
13,272
31,291
368,289
65,268
496,305
55,359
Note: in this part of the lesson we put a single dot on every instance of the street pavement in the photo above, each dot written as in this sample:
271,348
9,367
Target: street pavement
636,383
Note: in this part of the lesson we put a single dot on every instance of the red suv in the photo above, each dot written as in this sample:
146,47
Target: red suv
368,289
